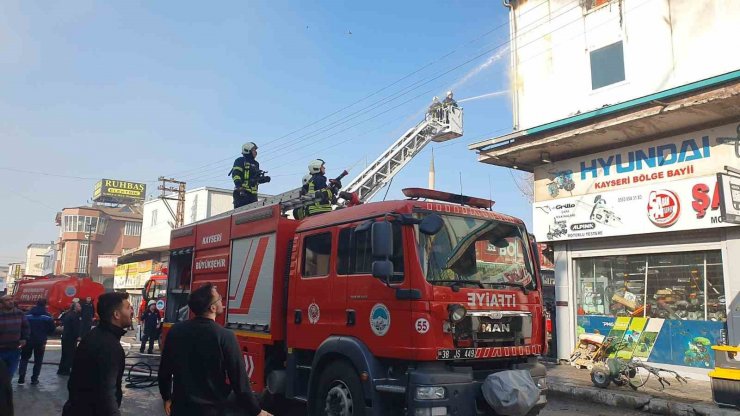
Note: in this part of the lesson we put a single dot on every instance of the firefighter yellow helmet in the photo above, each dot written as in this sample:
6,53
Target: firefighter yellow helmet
435,99
315,166
307,178
248,147
449,94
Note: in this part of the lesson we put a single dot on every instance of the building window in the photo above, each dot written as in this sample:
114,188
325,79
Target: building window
316,255
676,286
354,253
154,217
132,229
82,257
83,224
607,65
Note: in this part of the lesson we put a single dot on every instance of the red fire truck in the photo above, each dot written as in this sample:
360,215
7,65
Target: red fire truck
397,307
154,289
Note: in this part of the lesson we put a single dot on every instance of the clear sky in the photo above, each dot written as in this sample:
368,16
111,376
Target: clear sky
135,90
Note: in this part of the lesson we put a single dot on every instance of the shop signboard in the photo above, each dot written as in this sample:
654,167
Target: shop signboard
132,275
107,260
664,160
652,208
729,195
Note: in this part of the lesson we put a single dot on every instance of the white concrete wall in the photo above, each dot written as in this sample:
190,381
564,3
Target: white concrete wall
667,43
197,208
35,260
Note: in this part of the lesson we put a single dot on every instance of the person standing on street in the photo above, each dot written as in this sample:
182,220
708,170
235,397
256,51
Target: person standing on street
247,176
88,314
202,362
95,384
6,391
42,325
70,337
14,332
150,319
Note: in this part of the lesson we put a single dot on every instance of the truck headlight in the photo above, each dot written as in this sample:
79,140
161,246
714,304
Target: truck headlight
430,393
457,313
541,383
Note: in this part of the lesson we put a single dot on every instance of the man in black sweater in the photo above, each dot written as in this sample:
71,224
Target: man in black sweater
95,384
198,357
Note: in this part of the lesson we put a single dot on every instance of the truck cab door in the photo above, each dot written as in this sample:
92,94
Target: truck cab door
374,314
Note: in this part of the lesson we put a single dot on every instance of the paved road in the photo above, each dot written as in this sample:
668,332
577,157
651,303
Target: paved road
47,398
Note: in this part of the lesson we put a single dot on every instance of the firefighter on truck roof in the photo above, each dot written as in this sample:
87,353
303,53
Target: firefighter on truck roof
247,176
318,184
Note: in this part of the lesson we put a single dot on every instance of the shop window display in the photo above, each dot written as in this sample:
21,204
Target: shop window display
675,286
666,308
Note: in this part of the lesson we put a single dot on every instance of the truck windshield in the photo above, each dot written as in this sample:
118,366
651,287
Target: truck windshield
476,252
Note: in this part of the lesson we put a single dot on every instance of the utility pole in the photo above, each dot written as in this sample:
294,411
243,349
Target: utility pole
88,229
179,217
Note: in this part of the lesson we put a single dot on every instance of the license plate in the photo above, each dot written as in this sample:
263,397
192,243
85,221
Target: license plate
456,354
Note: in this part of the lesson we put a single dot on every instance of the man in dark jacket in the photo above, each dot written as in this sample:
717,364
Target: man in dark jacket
14,333
199,357
95,384
42,325
70,336
88,314
150,320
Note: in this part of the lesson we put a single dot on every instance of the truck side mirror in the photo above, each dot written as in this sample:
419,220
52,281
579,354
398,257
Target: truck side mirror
431,224
381,237
383,270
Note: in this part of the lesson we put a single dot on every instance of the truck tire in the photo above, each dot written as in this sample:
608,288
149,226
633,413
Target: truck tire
339,392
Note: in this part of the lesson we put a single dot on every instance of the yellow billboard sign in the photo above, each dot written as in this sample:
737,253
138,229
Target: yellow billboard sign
114,190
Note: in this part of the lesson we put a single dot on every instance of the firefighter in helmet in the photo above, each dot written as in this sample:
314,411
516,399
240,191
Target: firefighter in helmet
319,185
247,176
449,101
433,111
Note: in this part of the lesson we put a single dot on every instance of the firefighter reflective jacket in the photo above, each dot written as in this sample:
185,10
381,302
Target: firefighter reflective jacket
317,184
245,173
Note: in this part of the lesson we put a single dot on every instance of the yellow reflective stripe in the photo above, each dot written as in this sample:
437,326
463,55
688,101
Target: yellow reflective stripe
235,168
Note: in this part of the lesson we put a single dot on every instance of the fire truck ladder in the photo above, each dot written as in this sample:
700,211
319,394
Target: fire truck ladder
287,200
440,125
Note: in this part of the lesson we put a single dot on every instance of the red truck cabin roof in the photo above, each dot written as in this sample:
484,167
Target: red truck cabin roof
376,209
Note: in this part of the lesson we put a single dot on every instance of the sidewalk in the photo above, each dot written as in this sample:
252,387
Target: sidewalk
694,398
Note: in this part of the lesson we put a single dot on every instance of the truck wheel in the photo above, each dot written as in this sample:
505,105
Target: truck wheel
601,376
339,392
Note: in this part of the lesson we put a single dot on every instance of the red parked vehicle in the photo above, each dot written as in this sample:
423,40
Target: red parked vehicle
59,291
387,308
154,289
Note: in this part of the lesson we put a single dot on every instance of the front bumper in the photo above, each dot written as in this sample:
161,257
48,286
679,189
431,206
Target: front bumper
463,389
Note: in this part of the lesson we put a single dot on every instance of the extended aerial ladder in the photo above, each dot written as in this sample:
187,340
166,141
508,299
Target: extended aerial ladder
446,123
442,124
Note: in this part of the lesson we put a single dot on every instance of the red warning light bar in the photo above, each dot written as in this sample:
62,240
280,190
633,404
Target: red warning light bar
421,193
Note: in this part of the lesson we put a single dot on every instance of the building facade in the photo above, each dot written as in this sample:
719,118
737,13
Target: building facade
15,272
625,117
91,238
38,259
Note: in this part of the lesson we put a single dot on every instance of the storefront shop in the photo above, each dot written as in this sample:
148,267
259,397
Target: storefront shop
641,250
